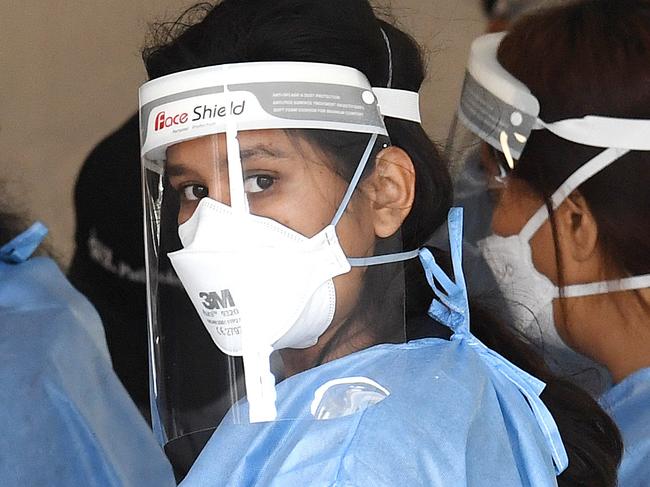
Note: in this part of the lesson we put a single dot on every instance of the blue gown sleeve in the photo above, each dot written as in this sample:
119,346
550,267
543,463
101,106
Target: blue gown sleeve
628,402
65,417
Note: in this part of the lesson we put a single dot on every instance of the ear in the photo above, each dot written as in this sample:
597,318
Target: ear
391,190
577,228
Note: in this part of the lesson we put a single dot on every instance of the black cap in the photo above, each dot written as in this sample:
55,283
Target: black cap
108,263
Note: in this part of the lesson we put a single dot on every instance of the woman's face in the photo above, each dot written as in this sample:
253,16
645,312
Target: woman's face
285,179
516,204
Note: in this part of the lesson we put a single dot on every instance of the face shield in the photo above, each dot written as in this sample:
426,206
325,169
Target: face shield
495,116
498,113
258,201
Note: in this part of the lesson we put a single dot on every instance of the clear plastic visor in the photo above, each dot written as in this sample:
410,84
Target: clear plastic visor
249,235
496,115
479,174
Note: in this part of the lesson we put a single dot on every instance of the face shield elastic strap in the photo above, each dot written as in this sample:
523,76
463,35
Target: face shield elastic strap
379,259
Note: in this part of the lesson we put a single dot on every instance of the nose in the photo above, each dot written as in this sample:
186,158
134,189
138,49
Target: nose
219,189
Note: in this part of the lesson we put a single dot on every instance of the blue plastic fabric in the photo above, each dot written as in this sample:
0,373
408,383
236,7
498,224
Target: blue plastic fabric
448,421
628,402
457,414
23,246
452,309
64,416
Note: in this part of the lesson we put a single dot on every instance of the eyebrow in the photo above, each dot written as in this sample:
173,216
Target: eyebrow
260,150
179,169
256,150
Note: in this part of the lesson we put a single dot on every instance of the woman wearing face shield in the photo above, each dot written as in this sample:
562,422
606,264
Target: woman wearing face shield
570,244
281,140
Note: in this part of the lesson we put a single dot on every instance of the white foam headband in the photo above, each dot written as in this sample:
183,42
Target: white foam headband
265,95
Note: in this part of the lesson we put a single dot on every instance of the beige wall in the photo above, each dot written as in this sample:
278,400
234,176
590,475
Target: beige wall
69,72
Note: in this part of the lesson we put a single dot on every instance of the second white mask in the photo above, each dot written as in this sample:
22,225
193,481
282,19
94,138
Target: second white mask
529,295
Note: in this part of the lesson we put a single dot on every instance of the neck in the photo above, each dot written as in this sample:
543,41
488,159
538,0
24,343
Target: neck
614,331
337,341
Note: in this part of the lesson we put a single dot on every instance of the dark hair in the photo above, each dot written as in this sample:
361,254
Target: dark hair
488,7
10,223
347,32
14,220
595,63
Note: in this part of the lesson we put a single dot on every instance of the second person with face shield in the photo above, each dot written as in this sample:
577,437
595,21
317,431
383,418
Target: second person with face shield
562,103
283,141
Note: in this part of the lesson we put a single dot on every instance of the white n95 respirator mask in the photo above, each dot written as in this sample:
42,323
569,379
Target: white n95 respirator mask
250,272
529,296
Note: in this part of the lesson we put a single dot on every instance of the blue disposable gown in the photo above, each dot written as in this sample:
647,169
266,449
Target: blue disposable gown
448,421
64,416
628,402
457,414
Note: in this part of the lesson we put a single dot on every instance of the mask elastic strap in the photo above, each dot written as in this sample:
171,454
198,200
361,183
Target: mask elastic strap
355,180
604,287
586,171
383,259
23,246
377,259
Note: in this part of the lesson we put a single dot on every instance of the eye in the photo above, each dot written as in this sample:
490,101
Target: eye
258,183
194,192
